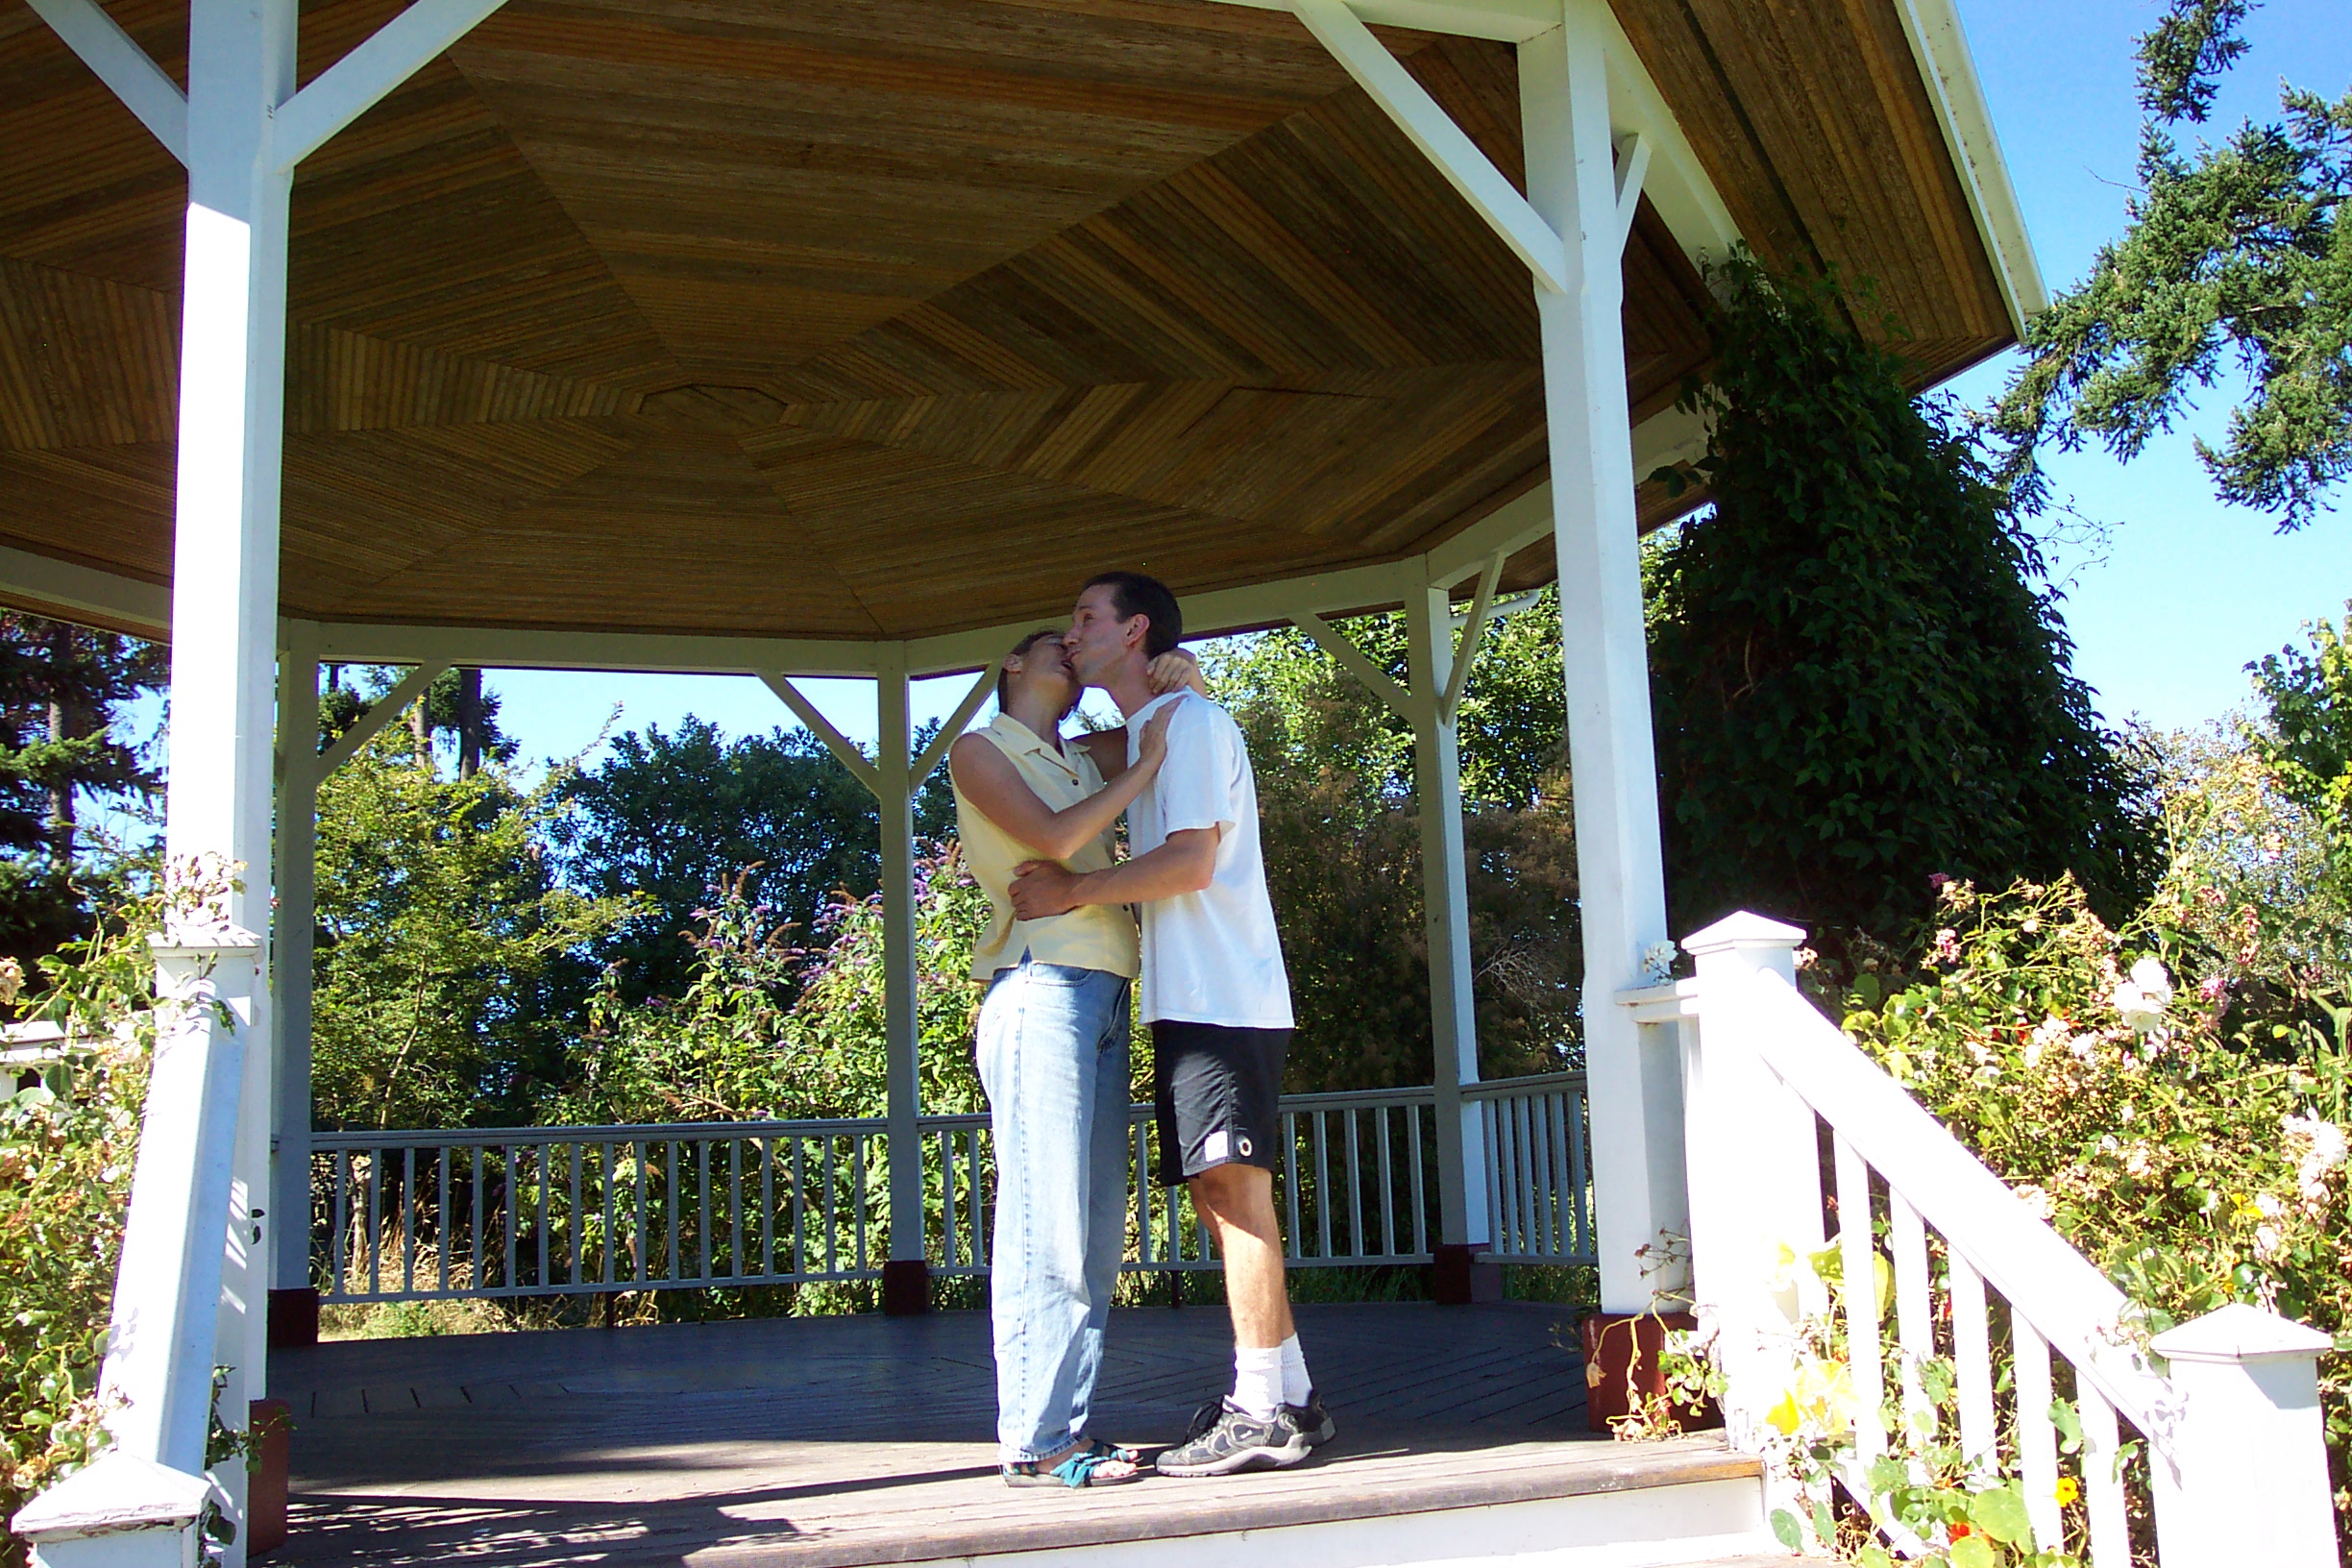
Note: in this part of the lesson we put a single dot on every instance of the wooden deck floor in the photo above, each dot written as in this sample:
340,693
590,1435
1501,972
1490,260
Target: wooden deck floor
816,1442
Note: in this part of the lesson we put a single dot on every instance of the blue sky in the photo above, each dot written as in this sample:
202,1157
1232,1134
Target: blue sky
2164,614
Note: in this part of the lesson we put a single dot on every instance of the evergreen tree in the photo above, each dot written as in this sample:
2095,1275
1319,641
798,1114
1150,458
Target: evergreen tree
61,687
1856,680
2237,251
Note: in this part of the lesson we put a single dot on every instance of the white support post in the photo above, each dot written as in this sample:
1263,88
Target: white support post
2251,1479
1634,1094
1464,1223
1755,1183
906,1282
293,1299
188,1293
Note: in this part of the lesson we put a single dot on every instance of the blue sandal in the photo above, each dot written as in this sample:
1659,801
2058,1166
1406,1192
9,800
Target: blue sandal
1079,1469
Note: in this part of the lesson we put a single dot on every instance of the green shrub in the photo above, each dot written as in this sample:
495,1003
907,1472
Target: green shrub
67,1144
2188,1145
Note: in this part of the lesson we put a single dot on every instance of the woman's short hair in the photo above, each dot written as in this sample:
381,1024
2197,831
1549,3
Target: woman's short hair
1004,677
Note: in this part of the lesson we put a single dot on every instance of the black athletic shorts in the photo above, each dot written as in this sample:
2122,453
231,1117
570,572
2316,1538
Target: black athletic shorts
1217,1091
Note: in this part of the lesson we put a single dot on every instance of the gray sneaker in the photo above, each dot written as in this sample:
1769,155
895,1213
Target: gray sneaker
1312,1421
1231,1440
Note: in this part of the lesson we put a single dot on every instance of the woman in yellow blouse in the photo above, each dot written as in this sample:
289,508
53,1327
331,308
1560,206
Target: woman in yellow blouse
1053,1053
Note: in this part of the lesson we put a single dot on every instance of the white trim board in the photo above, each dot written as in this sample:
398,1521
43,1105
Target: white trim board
1652,1526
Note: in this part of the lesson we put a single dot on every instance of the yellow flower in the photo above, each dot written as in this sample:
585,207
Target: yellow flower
2068,1490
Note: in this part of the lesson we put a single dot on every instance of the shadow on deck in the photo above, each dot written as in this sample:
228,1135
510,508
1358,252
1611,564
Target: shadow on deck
852,1440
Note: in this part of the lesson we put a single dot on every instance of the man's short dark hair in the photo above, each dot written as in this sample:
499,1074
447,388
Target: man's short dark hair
1133,594
1021,649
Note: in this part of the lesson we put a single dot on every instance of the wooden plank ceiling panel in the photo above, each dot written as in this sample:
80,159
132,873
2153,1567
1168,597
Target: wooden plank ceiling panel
879,317
691,527
83,185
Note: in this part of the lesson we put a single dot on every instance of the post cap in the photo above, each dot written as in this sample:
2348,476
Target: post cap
1742,929
120,1492
2239,1332
201,942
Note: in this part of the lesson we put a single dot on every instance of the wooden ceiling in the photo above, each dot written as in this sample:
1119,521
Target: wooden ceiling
878,318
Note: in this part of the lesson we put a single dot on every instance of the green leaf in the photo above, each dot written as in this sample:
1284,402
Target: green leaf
2001,1514
1975,1552
1787,1531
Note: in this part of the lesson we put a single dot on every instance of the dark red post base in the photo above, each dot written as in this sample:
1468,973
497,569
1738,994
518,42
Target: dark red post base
1621,1360
906,1287
272,1424
1460,1275
293,1319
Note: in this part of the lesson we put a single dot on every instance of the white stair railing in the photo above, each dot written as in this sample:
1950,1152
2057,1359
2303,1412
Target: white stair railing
2232,1453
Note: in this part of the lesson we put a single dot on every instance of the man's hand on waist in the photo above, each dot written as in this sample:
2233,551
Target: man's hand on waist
1043,888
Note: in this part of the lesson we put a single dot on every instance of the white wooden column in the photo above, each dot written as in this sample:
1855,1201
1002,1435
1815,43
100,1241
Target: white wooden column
1634,1093
905,1283
1462,1144
299,774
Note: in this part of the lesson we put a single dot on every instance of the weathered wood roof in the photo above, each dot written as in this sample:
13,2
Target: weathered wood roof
834,317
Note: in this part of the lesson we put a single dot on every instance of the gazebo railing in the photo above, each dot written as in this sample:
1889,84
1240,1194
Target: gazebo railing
408,1215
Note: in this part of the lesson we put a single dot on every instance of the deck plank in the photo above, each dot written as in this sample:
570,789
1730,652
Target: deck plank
822,1443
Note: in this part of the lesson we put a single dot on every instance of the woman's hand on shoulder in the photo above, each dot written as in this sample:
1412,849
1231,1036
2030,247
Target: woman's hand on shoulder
1151,747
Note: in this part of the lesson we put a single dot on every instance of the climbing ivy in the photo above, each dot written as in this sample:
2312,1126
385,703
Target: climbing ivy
1858,678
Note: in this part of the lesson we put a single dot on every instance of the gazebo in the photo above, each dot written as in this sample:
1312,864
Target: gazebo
842,339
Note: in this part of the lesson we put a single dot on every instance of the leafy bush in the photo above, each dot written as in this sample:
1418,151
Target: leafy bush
766,1029
2192,1146
67,1143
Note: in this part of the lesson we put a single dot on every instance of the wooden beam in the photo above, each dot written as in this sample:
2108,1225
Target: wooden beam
1940,48
357,83
142,86
496,648
1441,141
365,727
1632,162
1506,21
1481,608
981,688
1406,705
70,592
844,751
1677,184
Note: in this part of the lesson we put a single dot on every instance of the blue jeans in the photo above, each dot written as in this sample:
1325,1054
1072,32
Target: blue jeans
1053,1057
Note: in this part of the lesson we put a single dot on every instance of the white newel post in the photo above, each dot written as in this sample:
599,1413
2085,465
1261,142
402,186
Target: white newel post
905,1281
2250,1453
1754,1171
291,935
1464,1210
195,1265
1635,1099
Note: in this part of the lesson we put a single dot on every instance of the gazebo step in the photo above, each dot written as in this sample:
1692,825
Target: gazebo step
847,1442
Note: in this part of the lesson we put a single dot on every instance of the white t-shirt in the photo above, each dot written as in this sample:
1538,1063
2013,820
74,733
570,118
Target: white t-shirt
1212,956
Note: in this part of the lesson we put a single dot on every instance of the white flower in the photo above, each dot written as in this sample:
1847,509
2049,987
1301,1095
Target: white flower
2084,1044
1658,963
2327,1140
2052,1031
2124,1114
2142,999
2267,1206
2266,1241
2034,1198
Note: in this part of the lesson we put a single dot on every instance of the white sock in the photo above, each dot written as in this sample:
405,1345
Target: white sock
1296,1385
1258,1380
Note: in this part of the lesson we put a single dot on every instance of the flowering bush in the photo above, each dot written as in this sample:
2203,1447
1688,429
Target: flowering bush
67,1143
2190,1145
769,1028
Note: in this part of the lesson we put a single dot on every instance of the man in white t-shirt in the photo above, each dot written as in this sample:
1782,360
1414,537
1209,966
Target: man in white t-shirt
1217,1001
